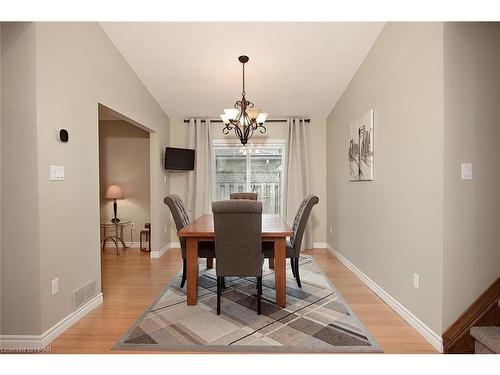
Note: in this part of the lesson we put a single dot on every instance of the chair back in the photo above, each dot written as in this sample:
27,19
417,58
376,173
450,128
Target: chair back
180,216
251,196
238,237
299,224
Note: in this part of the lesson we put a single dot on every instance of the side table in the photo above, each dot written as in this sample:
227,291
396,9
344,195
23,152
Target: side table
117,237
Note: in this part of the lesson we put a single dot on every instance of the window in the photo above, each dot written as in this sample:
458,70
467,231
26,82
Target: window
258,168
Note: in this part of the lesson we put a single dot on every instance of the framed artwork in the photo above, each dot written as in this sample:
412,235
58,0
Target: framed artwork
360,152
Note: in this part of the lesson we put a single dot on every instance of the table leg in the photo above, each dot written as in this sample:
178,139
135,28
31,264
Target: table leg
120,239
192,270
112,239
271,263
280,270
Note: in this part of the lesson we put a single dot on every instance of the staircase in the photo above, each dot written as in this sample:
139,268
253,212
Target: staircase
477,330
487,339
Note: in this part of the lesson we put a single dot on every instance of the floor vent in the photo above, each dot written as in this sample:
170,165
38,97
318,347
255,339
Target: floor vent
84,294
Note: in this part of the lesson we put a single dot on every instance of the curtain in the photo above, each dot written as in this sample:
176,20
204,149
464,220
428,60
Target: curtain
297,176
199,197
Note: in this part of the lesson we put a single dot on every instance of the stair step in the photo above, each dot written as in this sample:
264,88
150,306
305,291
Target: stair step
488,337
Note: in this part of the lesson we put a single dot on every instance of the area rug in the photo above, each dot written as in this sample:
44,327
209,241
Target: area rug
316,318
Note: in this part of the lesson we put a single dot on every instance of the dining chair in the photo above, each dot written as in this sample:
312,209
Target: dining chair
206,249
238,242
251,196
294,243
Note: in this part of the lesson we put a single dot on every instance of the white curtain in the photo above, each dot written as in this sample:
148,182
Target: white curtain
199,197
297,176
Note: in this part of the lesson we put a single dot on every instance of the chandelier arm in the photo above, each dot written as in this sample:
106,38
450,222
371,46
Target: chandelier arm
250,135
263,130
227,129
238,132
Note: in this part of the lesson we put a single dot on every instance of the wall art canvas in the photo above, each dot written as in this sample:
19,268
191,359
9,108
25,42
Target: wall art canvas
360,153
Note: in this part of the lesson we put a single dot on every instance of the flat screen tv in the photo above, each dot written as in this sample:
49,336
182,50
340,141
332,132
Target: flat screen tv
179,159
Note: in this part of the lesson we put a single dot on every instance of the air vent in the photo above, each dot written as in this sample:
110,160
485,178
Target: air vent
84,294
90,289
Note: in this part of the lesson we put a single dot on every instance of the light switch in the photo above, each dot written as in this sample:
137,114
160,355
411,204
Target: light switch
416,281
466,171
55,286
56,173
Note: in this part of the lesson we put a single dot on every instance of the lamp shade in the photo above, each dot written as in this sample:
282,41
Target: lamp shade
114,192
261,118
225,119
231,113
253,113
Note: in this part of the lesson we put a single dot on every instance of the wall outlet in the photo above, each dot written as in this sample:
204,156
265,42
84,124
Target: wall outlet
416,281
55,286
466,171
331,230
165,229
164,178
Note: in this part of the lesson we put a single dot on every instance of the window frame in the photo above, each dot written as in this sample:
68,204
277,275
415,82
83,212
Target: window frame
259,143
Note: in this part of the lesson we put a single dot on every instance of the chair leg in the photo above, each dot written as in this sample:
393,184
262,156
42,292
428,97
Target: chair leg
297,275
183,272
292,266
219,282
259,293
210,263
223,282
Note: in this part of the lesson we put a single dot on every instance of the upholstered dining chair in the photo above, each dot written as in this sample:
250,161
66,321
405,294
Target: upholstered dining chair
294,243
206,249
251,196
238,242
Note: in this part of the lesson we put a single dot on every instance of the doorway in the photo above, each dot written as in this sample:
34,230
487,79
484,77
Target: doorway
124,184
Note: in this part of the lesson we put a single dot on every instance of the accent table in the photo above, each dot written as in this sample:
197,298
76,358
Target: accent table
118,233
274,228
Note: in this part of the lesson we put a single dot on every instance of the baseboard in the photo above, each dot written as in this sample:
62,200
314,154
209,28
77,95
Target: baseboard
427,333
320,245
41,341
164,249
130,244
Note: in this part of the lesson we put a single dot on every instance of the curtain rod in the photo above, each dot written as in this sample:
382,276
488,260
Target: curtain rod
278,120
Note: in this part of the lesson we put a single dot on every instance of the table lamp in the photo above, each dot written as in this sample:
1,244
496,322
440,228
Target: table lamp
114,192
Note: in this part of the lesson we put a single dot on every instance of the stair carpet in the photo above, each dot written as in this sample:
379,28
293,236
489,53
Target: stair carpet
487,339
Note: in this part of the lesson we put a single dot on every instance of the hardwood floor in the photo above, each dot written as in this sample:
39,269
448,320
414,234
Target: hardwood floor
131,281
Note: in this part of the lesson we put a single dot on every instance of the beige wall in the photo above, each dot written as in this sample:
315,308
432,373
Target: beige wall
392,226
471,130
76,68
124,160
21,310
178,185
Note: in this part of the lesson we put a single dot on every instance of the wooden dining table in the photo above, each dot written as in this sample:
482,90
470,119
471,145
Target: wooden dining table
274,229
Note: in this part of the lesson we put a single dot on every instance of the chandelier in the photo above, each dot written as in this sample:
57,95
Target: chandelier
244,119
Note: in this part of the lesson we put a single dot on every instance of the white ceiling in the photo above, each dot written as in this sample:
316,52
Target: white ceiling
295,69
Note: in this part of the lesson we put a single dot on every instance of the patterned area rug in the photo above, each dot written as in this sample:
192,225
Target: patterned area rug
316,318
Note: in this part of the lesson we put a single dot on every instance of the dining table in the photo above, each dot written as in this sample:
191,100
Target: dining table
274,229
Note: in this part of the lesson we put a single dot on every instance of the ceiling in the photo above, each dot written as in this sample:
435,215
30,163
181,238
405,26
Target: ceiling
295,69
